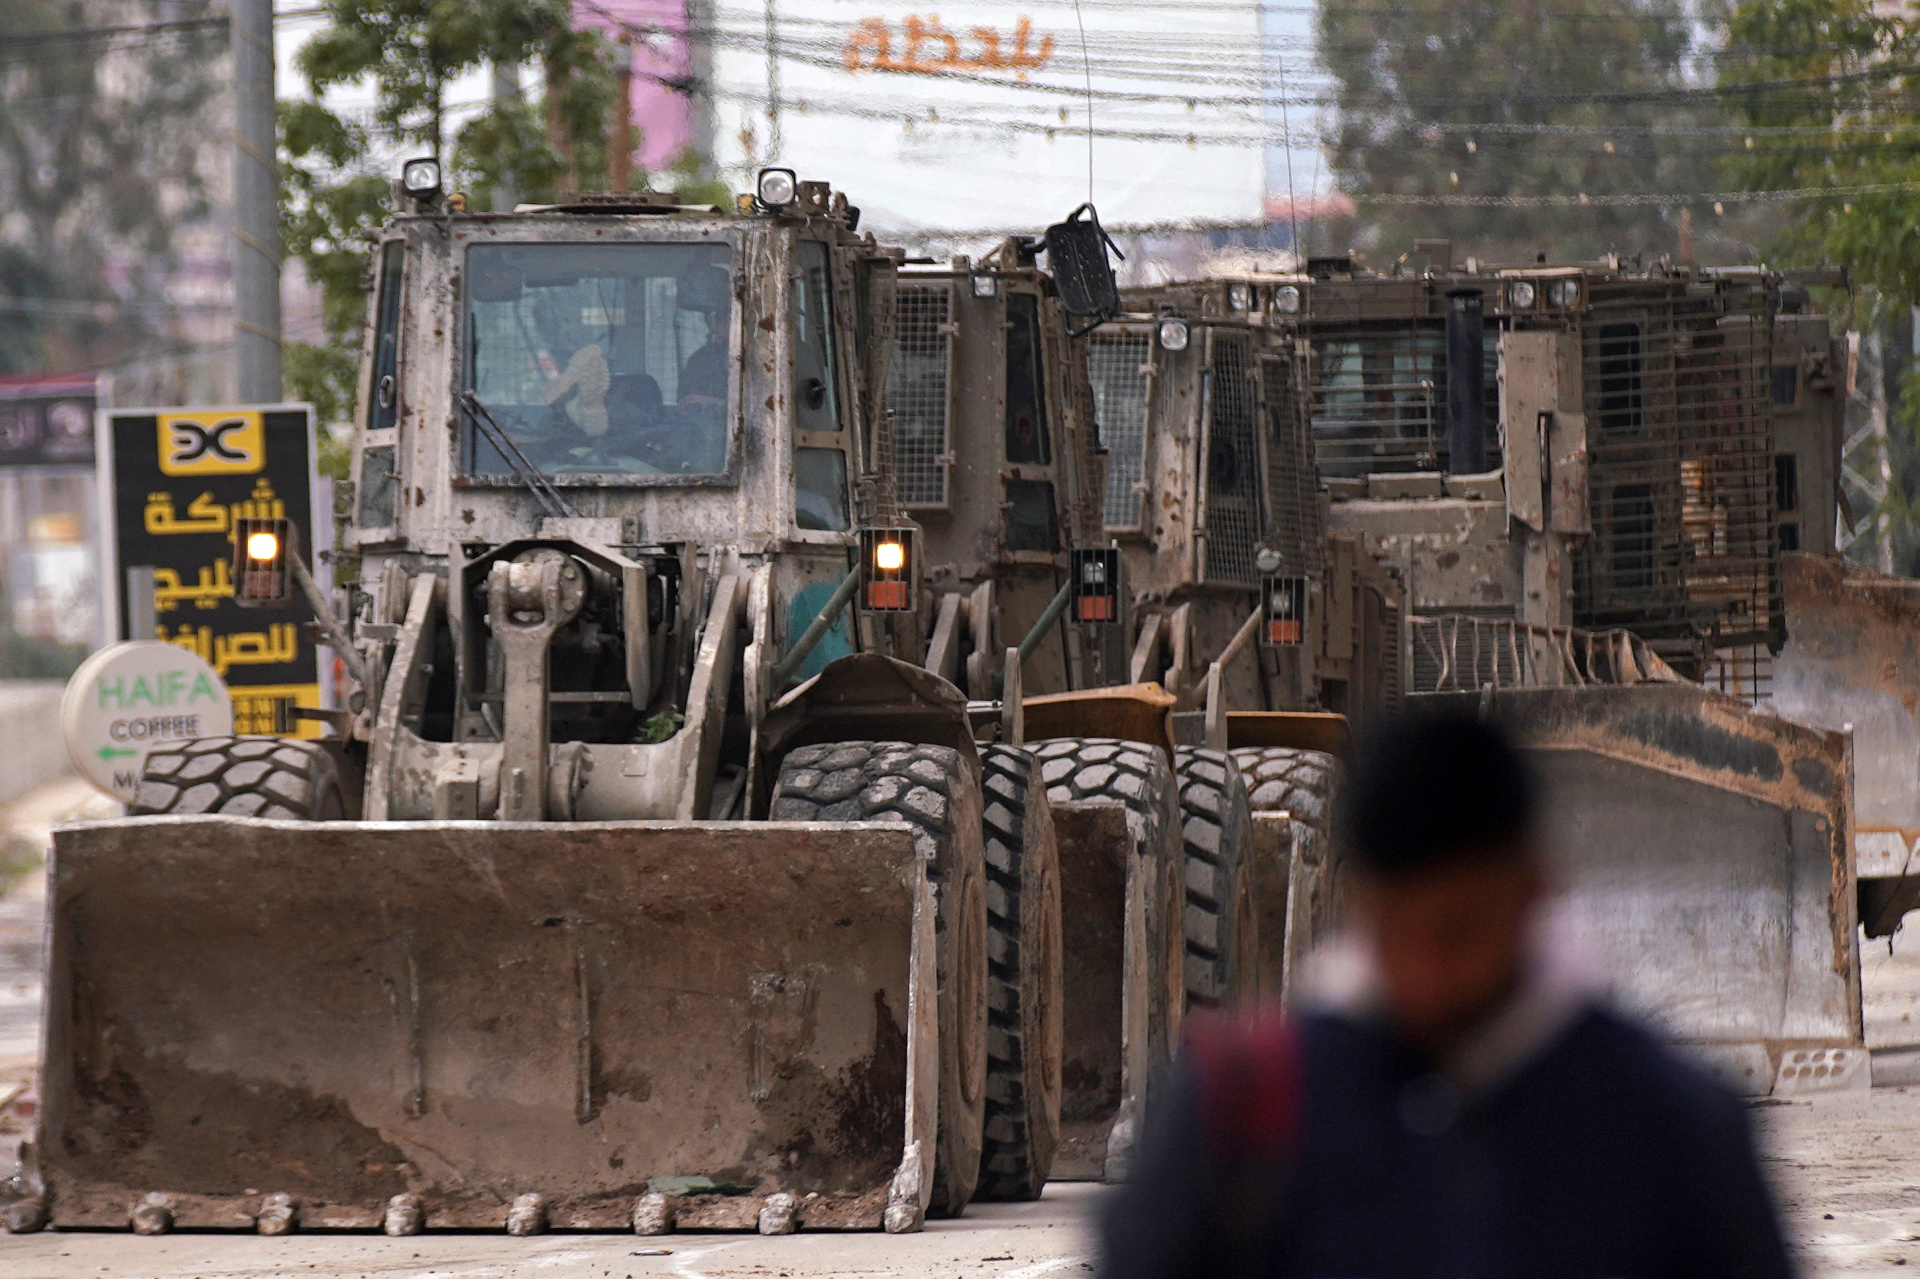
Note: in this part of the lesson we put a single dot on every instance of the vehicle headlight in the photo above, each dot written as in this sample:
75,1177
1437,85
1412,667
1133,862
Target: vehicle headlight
421,178
1520,294
985,286
1286,299
1240,297
777,188
1564,293
262,546
889,557
1173,335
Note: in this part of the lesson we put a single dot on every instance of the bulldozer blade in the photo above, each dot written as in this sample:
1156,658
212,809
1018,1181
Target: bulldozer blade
1852,662
1704,859
543,1019
1130,712
1298,730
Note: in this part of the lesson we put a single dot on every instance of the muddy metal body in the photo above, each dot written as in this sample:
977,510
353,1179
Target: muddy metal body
612,464
1000,466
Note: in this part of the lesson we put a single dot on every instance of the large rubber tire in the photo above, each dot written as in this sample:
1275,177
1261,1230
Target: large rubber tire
241,777
1279,778
933,790
1305,785
1137,777
1023,978
1216,832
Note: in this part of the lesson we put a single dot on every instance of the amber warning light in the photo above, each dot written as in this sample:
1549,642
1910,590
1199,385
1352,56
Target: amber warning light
1286,611
1096,584
261,574
887,558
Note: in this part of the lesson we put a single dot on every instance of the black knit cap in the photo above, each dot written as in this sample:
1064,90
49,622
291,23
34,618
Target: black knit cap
1429,788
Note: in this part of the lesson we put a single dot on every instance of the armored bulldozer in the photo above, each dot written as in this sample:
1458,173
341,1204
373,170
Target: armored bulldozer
999,462
1571,472
671,889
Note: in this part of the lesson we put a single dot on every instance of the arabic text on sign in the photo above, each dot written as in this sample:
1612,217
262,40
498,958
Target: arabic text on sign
928,48
279,643
169,592
204,515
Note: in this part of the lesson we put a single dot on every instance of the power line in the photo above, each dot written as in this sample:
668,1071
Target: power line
1637,199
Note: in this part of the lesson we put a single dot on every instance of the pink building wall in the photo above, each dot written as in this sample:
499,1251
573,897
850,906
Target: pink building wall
662,114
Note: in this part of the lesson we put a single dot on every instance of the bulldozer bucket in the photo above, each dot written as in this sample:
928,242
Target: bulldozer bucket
474,1013
1703,853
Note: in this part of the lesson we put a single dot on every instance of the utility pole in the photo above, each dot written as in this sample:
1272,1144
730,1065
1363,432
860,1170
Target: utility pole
506,94
620,150
256,206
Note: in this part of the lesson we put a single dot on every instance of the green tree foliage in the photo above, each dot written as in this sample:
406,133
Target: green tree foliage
100,169
1447,98
1827,93
335,175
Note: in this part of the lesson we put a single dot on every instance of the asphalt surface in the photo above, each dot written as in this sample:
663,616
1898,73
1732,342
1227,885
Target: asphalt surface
1845,1166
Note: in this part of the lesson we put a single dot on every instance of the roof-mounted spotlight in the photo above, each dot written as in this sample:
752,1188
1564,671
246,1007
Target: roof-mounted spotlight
420,179
776,189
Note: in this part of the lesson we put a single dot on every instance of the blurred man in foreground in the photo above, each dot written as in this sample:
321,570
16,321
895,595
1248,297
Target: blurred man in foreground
1451,1098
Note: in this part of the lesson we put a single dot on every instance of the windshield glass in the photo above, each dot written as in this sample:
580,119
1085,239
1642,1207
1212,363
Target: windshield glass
599,358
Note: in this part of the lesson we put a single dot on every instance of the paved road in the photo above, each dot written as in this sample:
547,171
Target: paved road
1846,1168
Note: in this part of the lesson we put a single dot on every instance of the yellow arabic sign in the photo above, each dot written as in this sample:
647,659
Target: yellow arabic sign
181,479
927,48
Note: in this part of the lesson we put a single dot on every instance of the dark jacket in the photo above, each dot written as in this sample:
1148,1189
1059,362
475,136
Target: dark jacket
1601,1155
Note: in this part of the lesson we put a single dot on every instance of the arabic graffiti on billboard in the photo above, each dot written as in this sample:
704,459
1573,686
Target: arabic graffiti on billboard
928,48
182,477
998,116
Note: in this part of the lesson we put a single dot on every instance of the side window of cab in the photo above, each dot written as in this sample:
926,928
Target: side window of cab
376,473
819,431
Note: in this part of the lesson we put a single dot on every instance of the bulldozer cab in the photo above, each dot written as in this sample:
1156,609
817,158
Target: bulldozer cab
1561,446
999,463
613,462
1212,492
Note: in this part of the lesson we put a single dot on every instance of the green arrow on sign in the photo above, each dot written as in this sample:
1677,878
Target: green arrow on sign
109,752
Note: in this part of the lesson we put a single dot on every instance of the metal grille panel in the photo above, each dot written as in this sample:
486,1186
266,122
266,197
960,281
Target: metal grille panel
1680,472
917,398
1233,460
1293,504
1462,653
1117,364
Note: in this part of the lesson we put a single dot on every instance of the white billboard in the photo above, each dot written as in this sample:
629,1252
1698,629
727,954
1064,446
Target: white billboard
974,118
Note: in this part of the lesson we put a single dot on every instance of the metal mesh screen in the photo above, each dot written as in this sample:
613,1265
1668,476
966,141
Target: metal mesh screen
1293,505
917,393
1462,653
1117,364
1233,459
1380,401
1680,473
